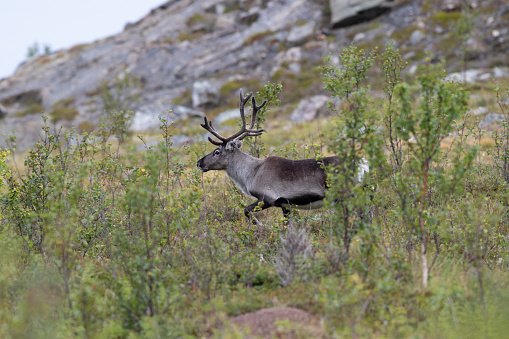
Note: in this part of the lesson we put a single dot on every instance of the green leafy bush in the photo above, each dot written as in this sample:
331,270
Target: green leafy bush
100,238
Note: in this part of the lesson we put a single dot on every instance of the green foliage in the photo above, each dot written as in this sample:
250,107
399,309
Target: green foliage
31,109
121,94
422,130
84,201
298,85
195,19
232,87
85,126
184,98
463,27
403,34
501,149
446,19
465,24
189,36
63,113
118,99
132,241
35,50
115,123
199,24
354,138
415,133
4,169
346,81
391,64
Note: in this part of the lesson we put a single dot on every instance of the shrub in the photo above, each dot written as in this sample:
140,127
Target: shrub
446,19
294,255
63,113
31,109
133,241
354,138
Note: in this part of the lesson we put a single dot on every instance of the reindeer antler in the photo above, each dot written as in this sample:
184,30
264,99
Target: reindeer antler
208,126
250,132
243,132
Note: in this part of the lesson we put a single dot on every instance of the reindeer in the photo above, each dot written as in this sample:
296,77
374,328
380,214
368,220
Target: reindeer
273,181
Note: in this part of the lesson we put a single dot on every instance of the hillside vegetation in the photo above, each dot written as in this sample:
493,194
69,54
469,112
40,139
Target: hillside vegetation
103,239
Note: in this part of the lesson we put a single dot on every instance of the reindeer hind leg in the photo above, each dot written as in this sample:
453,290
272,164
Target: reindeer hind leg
286,212
285,206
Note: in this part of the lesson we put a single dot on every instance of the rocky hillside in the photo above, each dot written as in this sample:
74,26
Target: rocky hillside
192,56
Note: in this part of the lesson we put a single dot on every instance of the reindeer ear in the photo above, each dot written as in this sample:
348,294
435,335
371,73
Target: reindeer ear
231,145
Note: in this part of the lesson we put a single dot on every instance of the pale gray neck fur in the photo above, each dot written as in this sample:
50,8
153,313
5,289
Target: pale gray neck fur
242,167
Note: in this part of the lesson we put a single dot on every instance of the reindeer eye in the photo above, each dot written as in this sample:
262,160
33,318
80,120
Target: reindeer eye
216,152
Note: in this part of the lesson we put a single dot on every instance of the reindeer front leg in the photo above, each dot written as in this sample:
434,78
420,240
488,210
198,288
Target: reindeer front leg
257,206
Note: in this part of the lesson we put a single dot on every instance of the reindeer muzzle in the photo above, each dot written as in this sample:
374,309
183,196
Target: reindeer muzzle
199,164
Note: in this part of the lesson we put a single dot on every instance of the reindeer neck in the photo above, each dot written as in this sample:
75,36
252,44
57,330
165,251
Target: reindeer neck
242,168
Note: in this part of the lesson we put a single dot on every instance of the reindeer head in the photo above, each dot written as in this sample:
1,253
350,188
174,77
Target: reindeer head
220,158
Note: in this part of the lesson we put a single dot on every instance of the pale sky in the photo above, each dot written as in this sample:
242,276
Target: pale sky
61,24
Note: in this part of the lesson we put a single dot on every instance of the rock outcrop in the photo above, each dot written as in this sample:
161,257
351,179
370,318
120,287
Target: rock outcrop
146,118
205,94
176,45
193,55
310,109
351,12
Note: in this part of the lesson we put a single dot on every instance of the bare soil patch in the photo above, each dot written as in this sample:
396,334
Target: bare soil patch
278,322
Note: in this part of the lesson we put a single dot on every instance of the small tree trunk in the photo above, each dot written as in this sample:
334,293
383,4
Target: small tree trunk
424,245
424,261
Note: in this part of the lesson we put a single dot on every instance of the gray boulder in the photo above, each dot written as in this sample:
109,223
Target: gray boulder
351,12
146,118
492,118
310,109
227,115
470,75
501,72
416,37
300,34
205,94
479,110
451,5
